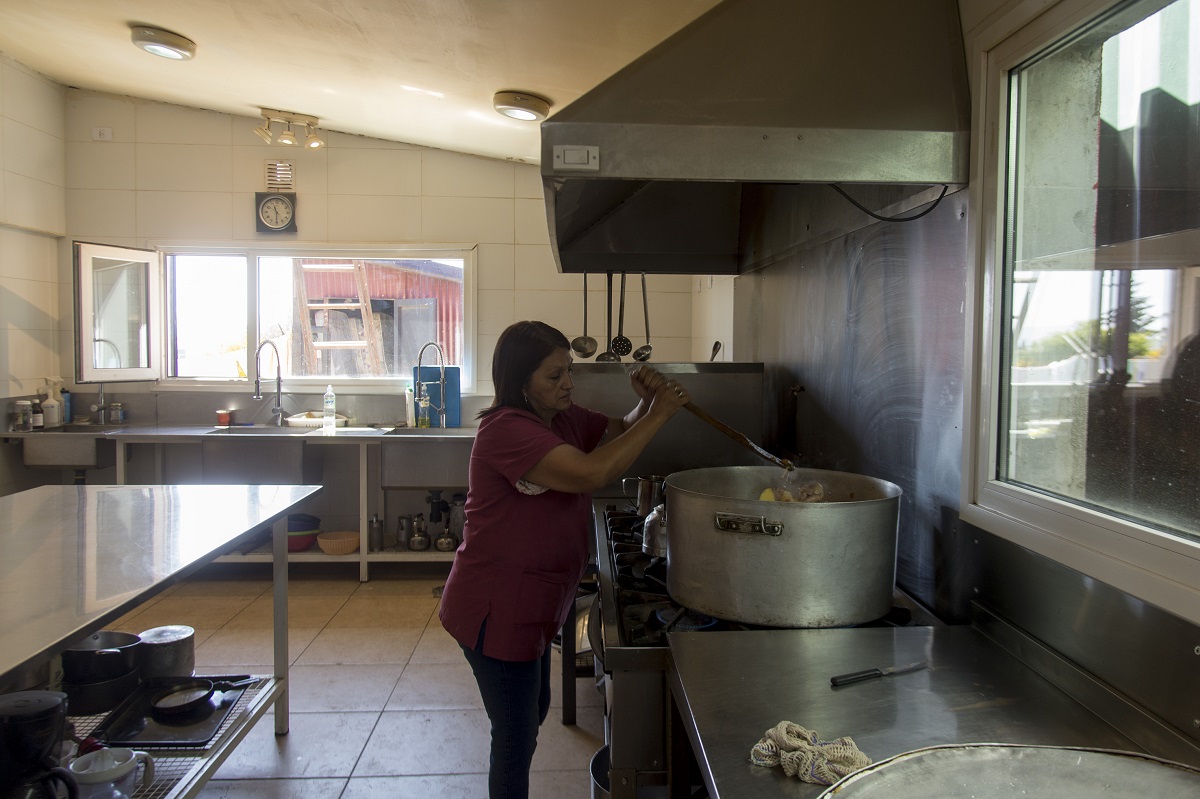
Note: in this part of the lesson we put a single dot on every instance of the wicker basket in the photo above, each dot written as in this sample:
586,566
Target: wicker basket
343,542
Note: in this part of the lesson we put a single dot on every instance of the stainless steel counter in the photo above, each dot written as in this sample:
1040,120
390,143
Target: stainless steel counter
73,558
730,688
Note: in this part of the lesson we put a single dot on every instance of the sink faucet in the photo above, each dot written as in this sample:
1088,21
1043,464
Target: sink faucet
277,410
441,410
100,409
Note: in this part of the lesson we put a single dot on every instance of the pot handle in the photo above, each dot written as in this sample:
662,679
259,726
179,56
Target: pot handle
738,523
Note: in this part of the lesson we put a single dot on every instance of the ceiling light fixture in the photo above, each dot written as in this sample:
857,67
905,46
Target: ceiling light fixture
312,141
286,136
263,131
292,124
521,105
163,42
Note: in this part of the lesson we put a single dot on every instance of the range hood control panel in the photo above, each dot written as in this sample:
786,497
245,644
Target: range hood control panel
576,158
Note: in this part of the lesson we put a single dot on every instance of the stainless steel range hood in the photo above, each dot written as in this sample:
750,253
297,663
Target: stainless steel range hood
650,170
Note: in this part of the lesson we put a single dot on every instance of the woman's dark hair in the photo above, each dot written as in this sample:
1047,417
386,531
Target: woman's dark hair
519,352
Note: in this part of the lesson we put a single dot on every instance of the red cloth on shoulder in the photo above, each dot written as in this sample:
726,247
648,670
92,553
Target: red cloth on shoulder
523,553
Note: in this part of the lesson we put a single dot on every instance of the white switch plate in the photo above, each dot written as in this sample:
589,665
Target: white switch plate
102,134
576,158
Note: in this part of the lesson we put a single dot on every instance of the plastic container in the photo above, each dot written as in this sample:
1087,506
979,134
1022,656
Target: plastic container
66,407
301,541
22,416
51,408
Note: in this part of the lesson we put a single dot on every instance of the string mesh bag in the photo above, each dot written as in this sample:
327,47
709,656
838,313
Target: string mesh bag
802,754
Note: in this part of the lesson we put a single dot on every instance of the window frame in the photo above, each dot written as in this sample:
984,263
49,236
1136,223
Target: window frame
1152,565
315,384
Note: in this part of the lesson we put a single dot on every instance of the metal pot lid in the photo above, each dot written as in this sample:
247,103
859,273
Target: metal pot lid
30,705
993,771
168,634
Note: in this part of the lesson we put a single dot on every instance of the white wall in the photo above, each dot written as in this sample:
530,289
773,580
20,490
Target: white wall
32,216
175,174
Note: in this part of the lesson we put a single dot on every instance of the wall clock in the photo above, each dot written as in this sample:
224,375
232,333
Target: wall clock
275,212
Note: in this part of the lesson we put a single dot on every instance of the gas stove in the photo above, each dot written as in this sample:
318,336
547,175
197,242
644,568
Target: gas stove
629,640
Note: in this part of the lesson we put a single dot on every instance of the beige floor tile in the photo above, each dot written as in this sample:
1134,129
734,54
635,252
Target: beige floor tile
384,611
361,645
569,747
426,742
303,611
437,646
274,789
225,586
254,647
195,612
323,587
439,786
421,587
436,686
342,688
318,745
560,785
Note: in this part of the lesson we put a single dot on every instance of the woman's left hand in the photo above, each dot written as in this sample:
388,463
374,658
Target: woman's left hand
656,388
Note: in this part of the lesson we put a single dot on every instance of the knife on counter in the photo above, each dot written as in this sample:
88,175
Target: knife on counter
870,674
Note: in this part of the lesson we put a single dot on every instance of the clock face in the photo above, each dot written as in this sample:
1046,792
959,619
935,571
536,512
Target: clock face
275,212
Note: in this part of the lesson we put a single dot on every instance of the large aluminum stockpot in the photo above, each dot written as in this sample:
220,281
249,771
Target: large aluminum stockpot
781,564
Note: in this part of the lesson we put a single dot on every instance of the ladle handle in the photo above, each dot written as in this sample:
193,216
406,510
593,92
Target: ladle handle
645,308
741,438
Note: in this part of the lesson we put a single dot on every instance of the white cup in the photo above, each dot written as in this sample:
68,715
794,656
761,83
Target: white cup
111,773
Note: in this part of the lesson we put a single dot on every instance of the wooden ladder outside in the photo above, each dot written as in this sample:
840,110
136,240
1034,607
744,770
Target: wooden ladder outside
371,341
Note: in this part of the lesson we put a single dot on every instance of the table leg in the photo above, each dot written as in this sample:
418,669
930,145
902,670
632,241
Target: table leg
279,536
567,650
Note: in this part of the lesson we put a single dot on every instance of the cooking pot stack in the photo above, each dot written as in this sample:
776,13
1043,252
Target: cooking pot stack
105,667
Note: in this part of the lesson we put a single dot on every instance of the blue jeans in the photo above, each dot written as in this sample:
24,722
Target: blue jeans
516,695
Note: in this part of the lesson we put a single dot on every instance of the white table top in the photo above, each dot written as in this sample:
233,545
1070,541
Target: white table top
73,558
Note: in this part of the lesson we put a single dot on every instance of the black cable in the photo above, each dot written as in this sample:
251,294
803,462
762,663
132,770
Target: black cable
859,206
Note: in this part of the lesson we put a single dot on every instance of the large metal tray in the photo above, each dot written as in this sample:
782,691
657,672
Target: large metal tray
133,723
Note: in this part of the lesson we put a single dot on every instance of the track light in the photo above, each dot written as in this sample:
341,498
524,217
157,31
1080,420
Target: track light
292,124
162,42
263,131
286,136
521,105
312,141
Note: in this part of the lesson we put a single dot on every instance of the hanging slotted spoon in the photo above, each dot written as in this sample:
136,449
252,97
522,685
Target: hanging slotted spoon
608,355
642,353
584,346
621,345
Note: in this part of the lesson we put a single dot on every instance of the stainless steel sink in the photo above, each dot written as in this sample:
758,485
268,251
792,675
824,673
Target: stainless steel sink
258,430
352,431
69,449
433,432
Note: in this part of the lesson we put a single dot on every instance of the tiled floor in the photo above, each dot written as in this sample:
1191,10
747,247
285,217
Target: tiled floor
383,702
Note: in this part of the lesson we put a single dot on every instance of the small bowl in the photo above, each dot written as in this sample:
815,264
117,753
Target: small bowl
342,542
298,542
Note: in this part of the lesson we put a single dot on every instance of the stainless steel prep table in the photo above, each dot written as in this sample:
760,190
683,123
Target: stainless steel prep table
74,558
730,687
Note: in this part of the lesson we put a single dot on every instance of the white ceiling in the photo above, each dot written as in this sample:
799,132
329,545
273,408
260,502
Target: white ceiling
362,66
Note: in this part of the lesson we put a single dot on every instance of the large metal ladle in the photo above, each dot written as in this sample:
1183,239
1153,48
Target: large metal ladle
584,346
642,353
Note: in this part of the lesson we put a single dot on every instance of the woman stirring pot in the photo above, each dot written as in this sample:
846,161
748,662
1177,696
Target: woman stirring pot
537,457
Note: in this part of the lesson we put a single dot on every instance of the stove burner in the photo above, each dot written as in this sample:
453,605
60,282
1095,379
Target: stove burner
684,620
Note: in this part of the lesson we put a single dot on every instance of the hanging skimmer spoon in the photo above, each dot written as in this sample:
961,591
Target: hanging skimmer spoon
608,355
642,353
621,345
584,346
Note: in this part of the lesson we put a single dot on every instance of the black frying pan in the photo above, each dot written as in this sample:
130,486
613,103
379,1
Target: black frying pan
188,695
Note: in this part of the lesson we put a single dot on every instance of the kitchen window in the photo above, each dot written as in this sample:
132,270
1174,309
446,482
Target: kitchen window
341,316
1088,444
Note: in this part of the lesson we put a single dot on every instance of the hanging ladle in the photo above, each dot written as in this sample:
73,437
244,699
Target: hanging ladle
608,355
642,353
621,345
584,346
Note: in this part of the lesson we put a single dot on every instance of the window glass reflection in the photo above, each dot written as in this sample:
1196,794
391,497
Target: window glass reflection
1102,266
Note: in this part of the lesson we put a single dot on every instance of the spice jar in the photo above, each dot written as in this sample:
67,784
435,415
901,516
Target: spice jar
22,416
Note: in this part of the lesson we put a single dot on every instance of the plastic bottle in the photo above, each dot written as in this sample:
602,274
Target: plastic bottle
51,407
329,411
66,407
39,420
